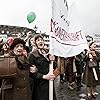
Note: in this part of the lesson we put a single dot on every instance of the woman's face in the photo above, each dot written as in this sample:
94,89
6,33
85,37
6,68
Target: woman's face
18,49
32,41
40,43
93,46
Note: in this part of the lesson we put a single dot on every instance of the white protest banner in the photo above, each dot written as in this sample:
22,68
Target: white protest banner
67,38
96,38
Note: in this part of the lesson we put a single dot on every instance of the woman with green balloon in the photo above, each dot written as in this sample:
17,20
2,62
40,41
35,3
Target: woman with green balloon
31,17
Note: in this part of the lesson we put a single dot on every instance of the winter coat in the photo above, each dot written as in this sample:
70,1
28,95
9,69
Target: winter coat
88,76
17,88
79,63
69,69
40,86
61,64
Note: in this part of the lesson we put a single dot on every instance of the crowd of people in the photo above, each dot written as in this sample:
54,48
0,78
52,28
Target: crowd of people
32,59
82,69
33,75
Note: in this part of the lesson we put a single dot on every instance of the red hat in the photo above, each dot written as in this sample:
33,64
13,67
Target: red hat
10,40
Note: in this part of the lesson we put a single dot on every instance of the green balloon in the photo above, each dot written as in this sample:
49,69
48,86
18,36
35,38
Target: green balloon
31,17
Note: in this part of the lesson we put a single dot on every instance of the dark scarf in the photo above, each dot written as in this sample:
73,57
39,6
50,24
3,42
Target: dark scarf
22,61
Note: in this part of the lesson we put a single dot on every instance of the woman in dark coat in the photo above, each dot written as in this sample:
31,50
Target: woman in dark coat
40,85
18,88
88,77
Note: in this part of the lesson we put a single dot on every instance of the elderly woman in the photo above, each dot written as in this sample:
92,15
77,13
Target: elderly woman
39,58
89,77
18,88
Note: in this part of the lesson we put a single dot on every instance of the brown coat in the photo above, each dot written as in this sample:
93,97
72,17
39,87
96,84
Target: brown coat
88,76
61,64
69,70
17,88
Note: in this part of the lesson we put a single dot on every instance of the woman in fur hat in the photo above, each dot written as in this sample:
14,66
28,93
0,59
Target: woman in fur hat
18,88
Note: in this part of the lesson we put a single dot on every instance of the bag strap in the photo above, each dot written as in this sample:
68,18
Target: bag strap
3,56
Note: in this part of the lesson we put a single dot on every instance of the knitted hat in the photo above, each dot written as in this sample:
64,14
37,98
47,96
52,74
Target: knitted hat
17,41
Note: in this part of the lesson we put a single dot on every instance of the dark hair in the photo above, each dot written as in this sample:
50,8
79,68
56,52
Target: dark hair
37,36
17,41
91,44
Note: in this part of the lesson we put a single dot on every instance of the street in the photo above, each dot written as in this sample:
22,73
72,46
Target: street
63,93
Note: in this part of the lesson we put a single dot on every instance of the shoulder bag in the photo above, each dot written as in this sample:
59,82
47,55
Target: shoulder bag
92,64
8,67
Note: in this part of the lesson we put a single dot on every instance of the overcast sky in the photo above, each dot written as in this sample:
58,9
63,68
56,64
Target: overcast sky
14,12
90,16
